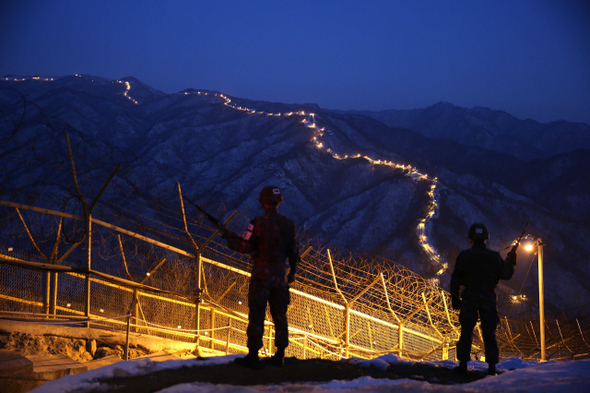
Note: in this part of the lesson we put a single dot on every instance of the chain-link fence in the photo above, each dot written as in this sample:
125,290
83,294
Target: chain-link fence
341,304
339,307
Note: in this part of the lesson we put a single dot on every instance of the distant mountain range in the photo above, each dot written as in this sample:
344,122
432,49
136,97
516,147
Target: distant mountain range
358,180
490,129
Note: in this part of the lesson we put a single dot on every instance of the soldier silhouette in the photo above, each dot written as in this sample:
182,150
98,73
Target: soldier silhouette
478,270
271,240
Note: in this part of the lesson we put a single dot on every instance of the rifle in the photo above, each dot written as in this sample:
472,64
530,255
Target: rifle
517,242
220,227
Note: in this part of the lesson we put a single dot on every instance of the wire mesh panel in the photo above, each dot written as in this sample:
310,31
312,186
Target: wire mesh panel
108,300
22,289
164,316
71,294
372,334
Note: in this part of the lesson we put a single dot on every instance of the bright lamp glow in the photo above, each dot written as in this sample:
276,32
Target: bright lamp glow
528,243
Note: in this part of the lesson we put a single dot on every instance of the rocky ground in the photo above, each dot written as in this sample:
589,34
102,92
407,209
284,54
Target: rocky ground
77,349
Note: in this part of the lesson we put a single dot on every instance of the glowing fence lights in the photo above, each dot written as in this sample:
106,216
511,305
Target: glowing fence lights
310,121
36,78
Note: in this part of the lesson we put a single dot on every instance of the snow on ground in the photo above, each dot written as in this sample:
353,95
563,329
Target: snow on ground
516,376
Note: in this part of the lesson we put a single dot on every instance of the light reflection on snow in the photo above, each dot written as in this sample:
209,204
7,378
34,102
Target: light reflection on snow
516,375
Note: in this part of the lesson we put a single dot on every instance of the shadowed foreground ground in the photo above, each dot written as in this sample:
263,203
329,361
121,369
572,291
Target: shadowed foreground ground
295,370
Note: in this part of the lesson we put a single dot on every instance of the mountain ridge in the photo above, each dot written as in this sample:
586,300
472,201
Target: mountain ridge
219,152
492,129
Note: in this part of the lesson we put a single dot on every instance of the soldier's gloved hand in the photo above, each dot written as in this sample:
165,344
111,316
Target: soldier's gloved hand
456,303
511,257
291,277
231,238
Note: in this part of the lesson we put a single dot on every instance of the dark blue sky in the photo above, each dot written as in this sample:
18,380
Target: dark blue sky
530,58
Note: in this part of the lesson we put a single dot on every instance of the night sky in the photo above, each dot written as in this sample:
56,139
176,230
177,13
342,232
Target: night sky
530,58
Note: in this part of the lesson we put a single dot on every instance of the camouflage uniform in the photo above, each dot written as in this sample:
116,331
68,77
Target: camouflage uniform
478,269
271,239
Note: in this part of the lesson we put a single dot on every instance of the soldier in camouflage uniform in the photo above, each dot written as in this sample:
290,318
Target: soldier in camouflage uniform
478,270
271,240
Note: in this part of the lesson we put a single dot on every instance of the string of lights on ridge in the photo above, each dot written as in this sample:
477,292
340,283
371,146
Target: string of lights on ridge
310,121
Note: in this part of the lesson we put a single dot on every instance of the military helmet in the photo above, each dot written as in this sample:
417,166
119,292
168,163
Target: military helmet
270,195
478,231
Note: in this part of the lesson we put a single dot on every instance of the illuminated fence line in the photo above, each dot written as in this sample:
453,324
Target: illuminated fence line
376,316
175,322
316,316
566,338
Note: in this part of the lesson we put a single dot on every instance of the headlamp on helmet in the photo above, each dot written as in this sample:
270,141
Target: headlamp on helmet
478,231
270,195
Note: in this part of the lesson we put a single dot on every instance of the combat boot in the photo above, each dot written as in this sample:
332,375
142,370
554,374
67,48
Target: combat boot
278,358
462,368
251,360
492,369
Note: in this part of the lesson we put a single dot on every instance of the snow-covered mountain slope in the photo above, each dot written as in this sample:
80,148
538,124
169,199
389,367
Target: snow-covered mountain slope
349,179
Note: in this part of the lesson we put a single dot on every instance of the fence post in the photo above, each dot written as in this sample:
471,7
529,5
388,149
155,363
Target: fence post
228,335
400,338
270,334
347,328
212,327
445,349
134,302
198,301
199,272
46,300
54,296
349,304
89,265
346,306
400,325
370,335
136,310
127,339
